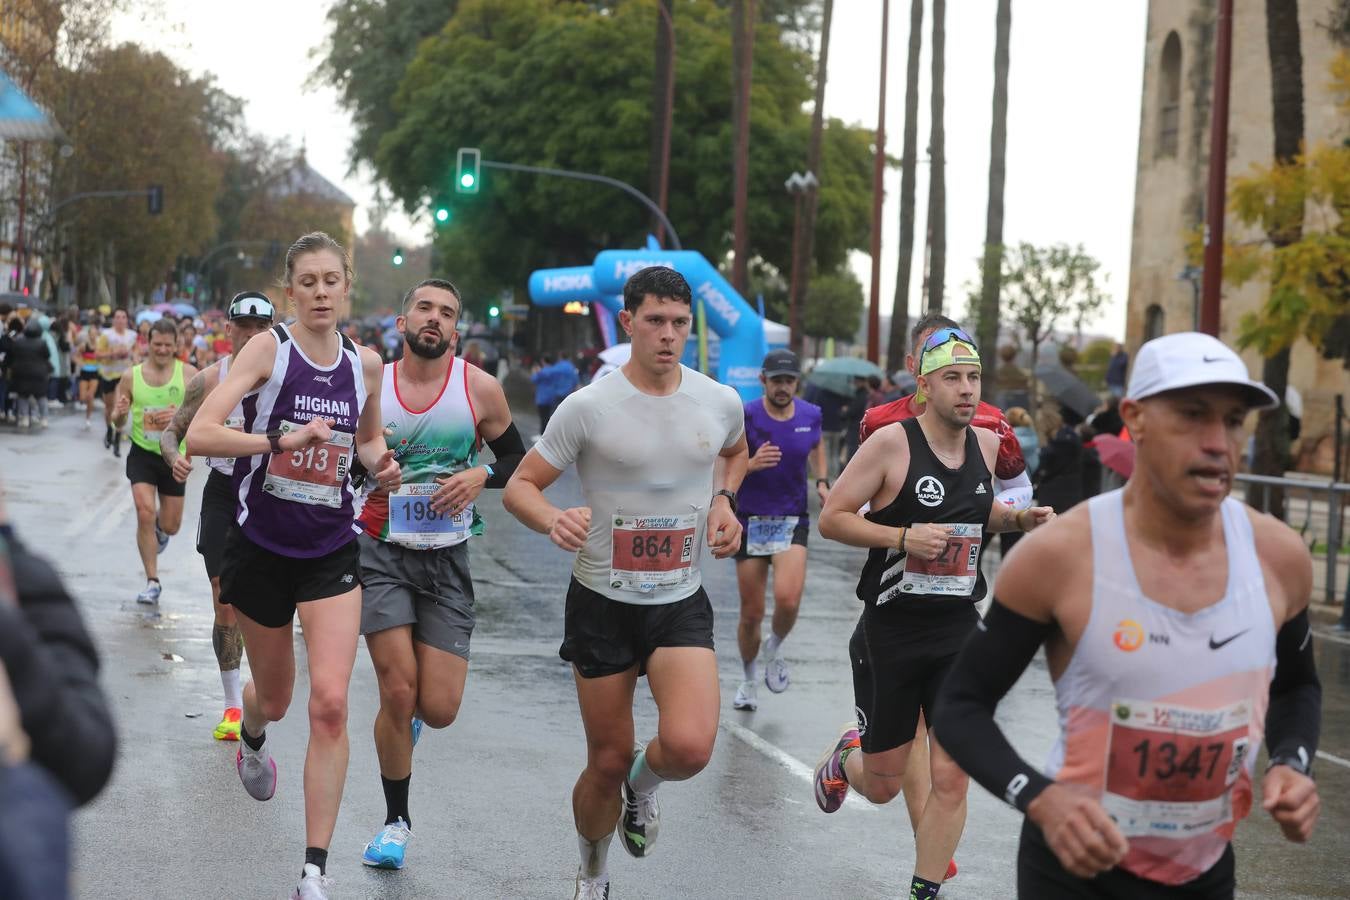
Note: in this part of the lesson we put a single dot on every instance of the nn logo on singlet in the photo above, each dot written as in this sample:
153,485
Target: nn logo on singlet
1130,636
929,491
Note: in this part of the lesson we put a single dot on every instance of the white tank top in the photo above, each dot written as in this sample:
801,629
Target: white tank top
1161,713
235,420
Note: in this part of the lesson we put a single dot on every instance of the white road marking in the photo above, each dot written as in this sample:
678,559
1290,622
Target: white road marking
786,760
1332,636
1333,758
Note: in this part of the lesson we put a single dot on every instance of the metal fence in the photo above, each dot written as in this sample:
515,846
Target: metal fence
1315,508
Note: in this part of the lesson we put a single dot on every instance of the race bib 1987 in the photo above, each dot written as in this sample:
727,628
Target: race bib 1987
413,523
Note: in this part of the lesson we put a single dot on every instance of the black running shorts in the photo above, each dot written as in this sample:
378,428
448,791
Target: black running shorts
107,385
144,467
266,586
1039,874
899,662
216,519
604,637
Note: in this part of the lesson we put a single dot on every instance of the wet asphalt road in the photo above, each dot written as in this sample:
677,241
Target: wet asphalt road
491,794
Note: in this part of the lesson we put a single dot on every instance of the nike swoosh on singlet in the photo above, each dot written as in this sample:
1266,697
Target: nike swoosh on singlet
1215,645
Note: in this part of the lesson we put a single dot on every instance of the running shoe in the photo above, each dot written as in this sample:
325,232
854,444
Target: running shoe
228,729
386,849
776,675
88,424
745,697
417,730
107,437
23,421
117,444
258,772
591,888
641,818
831,787
42,422
951,871
162,536
150,596
313,885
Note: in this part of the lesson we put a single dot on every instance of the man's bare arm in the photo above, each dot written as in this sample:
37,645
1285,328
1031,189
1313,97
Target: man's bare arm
176,430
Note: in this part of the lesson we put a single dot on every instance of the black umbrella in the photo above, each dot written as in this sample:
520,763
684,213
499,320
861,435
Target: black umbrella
1068,388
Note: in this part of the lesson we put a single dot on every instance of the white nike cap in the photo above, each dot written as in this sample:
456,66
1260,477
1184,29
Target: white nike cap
1191,359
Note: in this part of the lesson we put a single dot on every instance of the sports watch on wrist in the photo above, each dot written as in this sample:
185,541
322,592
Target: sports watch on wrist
731,498
1299,762
274,440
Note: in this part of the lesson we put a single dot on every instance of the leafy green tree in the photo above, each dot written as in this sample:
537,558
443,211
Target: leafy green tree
138,120
564,85
834,305
1045,286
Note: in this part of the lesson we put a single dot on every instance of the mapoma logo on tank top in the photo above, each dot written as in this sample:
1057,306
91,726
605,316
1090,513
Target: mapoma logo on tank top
929,491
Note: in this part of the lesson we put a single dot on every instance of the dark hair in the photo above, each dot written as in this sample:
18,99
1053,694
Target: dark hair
441,283
874,382
164,326
929,322
658,281
549,359
122,310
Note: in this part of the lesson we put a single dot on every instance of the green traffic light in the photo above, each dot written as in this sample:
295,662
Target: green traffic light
494,311
398,257
466,180
442,215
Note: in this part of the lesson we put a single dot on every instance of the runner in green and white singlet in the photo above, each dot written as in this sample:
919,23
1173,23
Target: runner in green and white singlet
417,603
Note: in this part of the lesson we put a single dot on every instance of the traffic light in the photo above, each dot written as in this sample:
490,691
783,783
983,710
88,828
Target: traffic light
398,256
442,214
154,196
494,311
466,170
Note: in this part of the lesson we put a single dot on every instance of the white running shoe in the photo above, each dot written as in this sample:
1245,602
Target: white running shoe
313,885
745,697
591,888
258,771
23,421
42,422
150,596
776,675
639,820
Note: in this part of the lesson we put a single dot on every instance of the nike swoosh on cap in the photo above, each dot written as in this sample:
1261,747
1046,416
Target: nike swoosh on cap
1210,359
1215,645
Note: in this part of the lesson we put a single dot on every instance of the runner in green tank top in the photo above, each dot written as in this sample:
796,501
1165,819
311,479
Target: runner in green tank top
151,392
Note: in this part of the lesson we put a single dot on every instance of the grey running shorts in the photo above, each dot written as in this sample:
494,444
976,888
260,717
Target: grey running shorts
427,589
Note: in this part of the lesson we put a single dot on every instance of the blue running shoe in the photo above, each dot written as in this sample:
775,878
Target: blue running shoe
150,596
417,725
386,849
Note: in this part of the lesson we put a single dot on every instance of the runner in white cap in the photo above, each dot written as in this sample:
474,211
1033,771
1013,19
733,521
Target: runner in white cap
1171,606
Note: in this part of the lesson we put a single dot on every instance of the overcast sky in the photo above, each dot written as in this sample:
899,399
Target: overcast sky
1073,116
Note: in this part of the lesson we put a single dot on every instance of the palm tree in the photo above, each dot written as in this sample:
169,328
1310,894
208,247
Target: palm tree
937,168
1285,50
993,226
898,345
742,52
806,235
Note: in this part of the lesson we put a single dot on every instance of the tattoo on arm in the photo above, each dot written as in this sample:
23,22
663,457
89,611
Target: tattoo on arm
193,395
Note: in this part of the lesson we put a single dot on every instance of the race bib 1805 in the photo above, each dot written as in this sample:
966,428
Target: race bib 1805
767,535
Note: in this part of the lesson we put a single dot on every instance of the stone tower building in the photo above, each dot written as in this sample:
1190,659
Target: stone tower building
1173,169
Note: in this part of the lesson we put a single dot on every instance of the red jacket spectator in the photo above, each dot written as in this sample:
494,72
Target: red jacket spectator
1009,464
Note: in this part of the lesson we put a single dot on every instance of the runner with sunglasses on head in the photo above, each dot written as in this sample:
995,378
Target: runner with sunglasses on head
929,485
1012,487
250,314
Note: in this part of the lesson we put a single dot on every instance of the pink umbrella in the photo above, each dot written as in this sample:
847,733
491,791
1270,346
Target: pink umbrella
1115,453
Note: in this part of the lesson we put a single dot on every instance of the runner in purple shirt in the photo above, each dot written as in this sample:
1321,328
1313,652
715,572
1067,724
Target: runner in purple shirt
783,433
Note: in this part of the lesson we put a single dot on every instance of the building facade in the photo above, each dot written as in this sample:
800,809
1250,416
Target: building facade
1173,171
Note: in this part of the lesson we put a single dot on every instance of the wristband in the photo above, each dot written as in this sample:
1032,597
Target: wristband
1298,761
1017,519
489,469
900,542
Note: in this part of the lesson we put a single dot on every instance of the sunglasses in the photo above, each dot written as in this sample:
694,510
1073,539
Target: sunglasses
252,306
943,335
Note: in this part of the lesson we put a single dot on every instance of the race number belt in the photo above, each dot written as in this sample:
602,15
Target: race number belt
767,535
651,552
1171,770
414,524
955,570
314,475
154,419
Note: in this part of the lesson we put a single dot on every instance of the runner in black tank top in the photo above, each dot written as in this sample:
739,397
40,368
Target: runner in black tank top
928,481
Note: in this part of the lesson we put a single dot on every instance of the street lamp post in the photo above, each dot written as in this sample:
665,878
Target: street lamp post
799,186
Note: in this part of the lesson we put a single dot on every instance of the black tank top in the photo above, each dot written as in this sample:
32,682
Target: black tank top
933,492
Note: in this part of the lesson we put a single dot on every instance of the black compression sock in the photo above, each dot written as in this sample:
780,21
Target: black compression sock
318,857
396,800
254,743
921,889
